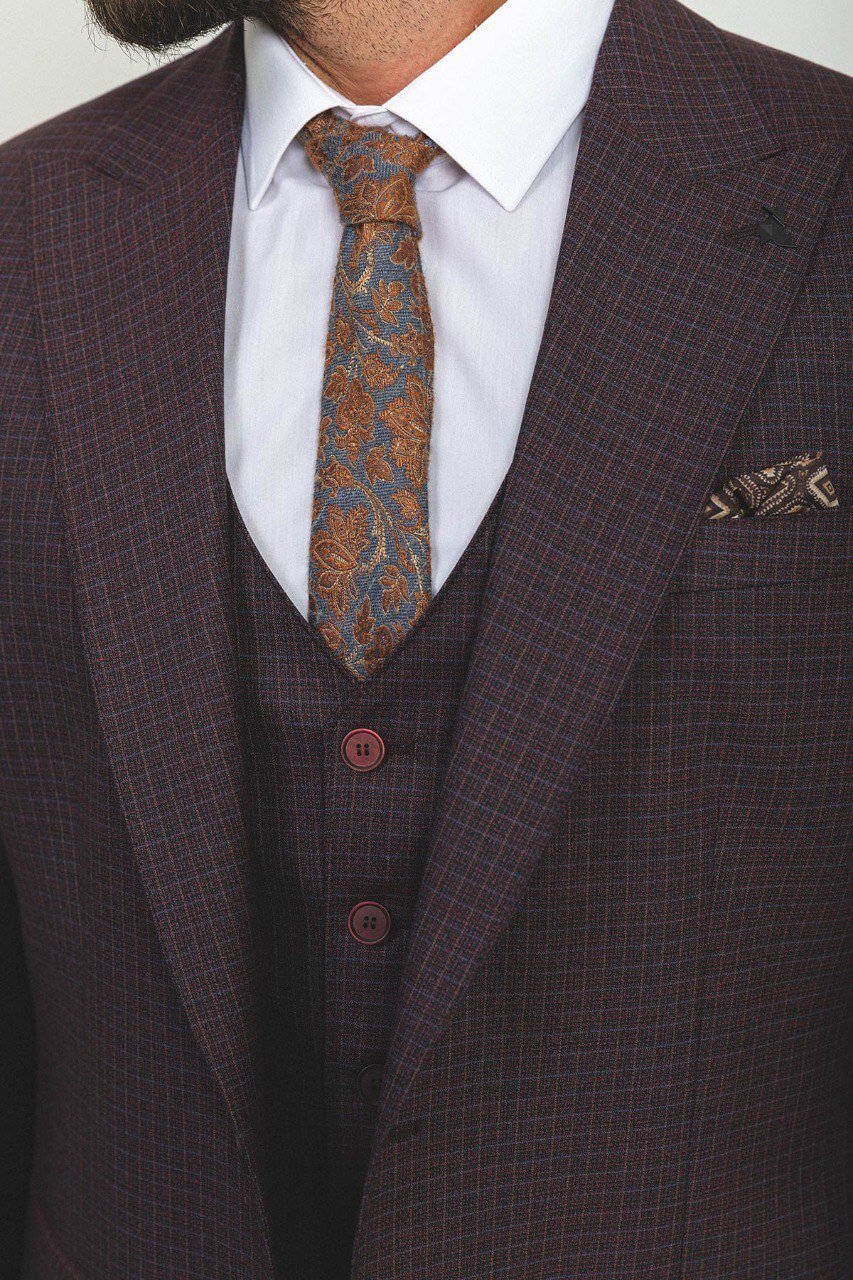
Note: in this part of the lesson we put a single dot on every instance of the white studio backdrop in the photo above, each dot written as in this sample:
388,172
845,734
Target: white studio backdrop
51,58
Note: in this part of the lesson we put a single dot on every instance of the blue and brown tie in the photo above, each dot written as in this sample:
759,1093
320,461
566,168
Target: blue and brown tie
369,571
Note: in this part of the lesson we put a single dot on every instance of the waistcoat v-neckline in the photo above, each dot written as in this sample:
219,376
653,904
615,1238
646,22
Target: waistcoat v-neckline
485,529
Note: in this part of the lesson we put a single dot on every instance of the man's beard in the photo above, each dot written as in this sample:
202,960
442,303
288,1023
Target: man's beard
160,24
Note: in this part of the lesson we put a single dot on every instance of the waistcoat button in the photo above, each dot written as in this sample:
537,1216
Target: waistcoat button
369,923
363,750
369,1081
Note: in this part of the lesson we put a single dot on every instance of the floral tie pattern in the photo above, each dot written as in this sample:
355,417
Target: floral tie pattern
369,567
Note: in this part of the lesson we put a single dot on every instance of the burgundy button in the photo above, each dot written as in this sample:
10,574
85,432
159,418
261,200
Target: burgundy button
369,922
369,1081
363,750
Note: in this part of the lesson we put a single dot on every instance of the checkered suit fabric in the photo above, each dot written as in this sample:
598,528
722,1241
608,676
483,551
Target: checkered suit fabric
619,1046
326,838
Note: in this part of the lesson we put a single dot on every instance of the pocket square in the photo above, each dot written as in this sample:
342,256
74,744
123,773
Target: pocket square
802,484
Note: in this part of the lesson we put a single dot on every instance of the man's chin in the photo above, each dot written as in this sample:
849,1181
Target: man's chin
158,25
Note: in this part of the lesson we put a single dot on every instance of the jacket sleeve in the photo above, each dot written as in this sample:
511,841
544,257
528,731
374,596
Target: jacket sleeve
17,1077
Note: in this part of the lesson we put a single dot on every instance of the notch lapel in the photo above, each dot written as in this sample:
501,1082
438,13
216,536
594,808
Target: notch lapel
131,263
664,311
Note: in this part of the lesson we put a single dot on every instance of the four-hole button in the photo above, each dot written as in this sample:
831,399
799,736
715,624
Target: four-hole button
369,923
363,750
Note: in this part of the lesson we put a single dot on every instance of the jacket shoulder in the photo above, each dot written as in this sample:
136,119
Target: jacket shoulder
81,130
798,98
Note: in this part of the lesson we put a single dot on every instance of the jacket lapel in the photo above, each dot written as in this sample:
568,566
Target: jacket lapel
131,261
664,312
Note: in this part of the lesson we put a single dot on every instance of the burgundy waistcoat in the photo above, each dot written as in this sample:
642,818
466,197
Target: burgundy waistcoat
325,838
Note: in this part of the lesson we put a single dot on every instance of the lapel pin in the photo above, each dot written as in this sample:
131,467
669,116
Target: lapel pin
772,229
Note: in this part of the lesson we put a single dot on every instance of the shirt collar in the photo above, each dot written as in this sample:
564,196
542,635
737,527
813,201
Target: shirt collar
498,103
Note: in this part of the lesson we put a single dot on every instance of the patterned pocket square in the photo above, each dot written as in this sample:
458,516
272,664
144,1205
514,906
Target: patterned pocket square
803,484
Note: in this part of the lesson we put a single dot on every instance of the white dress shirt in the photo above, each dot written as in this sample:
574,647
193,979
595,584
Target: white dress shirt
505,105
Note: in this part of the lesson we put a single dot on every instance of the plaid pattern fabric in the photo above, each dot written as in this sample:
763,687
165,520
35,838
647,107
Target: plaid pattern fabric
619,1042
326,838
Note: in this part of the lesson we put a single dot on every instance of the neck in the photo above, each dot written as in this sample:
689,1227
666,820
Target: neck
371,49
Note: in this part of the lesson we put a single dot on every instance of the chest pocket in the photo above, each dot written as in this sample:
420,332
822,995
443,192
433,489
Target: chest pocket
728,555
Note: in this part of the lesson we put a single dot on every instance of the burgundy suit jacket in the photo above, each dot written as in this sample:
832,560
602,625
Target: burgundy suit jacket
621,1046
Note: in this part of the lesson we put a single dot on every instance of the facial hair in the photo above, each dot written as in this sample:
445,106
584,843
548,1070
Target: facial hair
158,25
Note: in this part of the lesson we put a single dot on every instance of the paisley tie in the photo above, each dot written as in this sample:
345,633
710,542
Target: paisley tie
369,566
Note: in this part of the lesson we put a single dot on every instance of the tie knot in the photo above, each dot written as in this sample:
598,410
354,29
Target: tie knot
371,171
